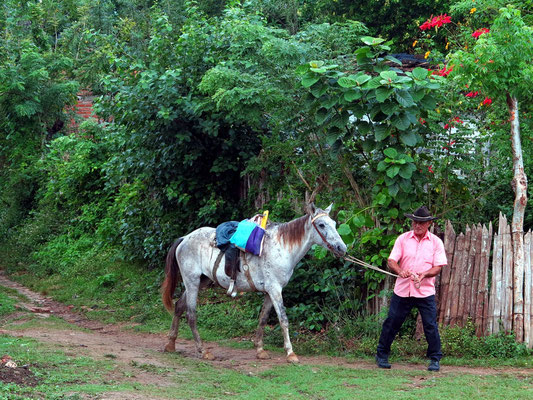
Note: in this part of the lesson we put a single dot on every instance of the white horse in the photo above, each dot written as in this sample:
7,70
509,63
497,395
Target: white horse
198,259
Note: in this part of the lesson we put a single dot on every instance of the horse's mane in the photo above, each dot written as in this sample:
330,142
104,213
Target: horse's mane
292,232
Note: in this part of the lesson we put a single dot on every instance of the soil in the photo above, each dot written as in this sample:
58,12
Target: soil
101,341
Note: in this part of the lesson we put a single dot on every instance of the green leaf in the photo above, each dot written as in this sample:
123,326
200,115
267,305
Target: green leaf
382,165
363,127
347,82
362,78
352,95
344,229
404,98
373,83
418,94
308,81
420,73
321,116
383,93
328,102
371,41
409,138
381,132
393,59
406,172
393,189
319,90
428,102
401,122
389,75
393,212
393,171
389,107
391,152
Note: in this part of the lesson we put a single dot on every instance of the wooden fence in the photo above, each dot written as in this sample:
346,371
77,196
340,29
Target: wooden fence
479,283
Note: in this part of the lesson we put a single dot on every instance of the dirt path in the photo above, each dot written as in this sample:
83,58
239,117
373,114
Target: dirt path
129,348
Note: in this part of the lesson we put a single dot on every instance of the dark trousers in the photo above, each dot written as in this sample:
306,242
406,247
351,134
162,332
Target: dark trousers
399,308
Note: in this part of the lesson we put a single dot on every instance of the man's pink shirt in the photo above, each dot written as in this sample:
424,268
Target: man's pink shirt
417,256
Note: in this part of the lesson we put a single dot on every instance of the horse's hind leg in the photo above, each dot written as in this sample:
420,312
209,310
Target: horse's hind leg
192,295
263,319
179,308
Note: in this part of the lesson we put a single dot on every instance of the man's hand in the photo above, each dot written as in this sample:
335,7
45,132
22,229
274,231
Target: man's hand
404,274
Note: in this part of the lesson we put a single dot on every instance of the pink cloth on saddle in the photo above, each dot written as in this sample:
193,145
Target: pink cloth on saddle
417,256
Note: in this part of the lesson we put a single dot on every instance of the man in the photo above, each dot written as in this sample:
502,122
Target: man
417,258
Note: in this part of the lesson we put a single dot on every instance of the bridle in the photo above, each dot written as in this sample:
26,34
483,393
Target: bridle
330,247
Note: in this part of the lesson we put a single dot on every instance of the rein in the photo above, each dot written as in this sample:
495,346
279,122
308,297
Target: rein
330,247
369,266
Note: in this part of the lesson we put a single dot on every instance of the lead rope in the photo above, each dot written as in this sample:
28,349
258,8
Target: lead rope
369,266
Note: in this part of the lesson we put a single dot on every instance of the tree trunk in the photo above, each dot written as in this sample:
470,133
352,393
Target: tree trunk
519,184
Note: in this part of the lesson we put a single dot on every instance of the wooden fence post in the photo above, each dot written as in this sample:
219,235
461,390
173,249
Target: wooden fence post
449,247
527,290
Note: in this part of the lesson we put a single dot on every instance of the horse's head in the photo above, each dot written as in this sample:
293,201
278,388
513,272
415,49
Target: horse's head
325,231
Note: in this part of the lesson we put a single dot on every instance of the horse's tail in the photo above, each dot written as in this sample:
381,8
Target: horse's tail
172,276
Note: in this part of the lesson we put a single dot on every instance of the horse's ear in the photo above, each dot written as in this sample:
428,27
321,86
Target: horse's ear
327,210
310,209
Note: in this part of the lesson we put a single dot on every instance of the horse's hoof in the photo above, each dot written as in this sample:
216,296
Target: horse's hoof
263,355
291,358
208,356
170,347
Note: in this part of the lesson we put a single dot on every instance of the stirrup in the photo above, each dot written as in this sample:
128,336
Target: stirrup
230,288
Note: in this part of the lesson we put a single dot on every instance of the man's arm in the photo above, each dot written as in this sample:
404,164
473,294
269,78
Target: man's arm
430,272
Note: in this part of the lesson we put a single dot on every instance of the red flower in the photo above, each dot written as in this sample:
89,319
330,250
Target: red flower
442,72
487,101
422,121
457,119
480,32
446,126
436,21
430,169
472,94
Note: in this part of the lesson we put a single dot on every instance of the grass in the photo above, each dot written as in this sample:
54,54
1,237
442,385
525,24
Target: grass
62,376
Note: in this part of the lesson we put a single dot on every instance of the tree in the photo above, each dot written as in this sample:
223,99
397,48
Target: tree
499,66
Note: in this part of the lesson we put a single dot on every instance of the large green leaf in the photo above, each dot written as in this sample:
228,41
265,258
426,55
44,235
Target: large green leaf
409,138
428,102
373,83
352,94
347,82
362,78
406,171
393,171
391,152
308,81
383,93
389,75
381,132
371,41
401,122
321,116
420,73
404,98
389,107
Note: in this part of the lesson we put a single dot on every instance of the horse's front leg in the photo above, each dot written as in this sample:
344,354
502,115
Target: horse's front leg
277,302
263,319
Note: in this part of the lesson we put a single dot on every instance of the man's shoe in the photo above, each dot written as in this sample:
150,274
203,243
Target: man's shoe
434,366
382,362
